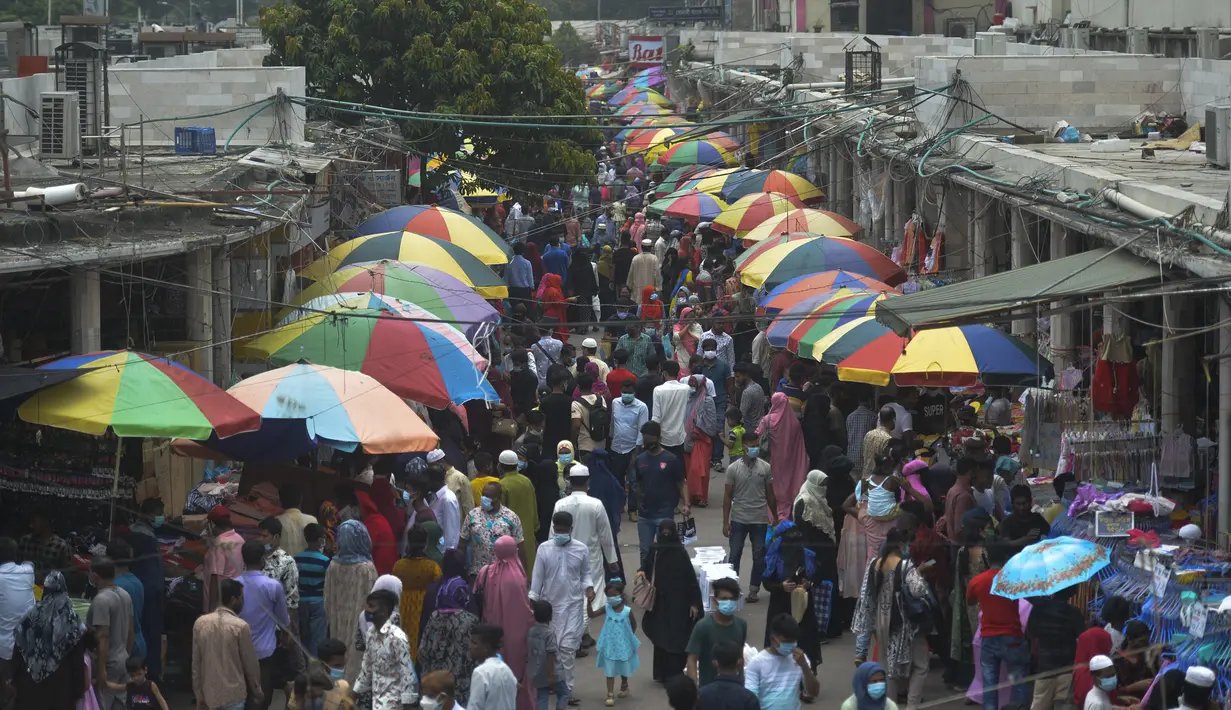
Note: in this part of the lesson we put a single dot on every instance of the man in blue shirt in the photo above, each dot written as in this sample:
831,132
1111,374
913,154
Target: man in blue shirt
628,415
661,481
264,610
312,564
726,691
519,275
555,259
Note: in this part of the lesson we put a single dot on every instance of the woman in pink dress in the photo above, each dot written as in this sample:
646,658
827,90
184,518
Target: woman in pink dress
505,603
787,455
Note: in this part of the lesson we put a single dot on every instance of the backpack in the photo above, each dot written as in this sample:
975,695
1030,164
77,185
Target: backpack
920,612
598,423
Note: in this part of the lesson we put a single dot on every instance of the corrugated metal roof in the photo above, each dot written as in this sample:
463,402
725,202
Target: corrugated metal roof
1093,272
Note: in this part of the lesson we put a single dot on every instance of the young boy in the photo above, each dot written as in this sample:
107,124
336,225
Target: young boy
721,625
312,564
775,673
143,693
542,651
735,437
332,653
310,689
727,690
492,684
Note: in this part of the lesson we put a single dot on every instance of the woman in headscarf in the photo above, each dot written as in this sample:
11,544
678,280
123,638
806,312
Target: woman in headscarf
505,604
686,337
599,387
850,542
453,567
1091,643
638,228
966,642
790,566
582,285
384,546
566,456
348,581
605,268
555,305
701,426
670,270
651,309
50,651
445,641
417,572
787,456
677,601
536,260
605,487
813,516
386,583
870,689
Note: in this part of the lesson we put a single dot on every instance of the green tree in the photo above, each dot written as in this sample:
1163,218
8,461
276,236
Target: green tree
573,47
475,57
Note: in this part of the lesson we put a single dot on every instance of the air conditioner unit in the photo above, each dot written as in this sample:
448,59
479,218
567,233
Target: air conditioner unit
60,125
963,28
1218,136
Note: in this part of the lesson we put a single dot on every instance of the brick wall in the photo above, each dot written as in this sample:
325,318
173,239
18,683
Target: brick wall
1204,81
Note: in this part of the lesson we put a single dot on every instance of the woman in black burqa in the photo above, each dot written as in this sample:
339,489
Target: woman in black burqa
677,601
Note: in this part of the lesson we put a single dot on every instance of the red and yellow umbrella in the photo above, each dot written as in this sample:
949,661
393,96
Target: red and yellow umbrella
809,256
642,140
825,284
831,224
692,153
690,204
779,181
751,210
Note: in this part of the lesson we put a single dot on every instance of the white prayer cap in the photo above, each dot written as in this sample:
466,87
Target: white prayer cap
579,471
1190,532
647,242
1100,662
590,343
435,455
1200,676
508,458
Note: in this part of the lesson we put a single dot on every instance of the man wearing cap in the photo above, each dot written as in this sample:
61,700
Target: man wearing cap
1198,687
455,480
645,269
1103,673
589,348
590,525
520,497
223,559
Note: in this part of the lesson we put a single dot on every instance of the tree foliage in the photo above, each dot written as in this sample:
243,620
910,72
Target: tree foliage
573,47
475,57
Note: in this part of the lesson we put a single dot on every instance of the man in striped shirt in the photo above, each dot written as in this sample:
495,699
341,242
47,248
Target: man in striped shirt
312,564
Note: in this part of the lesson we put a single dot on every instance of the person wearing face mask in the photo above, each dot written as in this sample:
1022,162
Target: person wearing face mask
701,426
436,692
628,415
721,626
417,573
280,566
386,671
591,527
1103,671
310,689
562,578
147,566
670,622
748,508
520,497
265,611
869,686
488,523
332,657
223,559
775,674
225,670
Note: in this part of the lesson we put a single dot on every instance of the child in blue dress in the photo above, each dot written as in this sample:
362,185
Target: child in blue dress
618,643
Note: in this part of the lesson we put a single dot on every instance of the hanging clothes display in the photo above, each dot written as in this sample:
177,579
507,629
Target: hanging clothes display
1115,387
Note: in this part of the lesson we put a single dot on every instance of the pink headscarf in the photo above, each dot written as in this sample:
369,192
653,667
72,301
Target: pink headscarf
637,229
505,603
787,454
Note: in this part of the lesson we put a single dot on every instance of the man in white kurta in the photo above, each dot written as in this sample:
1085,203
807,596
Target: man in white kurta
562,578
590,527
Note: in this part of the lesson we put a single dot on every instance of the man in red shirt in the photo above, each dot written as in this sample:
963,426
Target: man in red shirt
620,373
959,499
1001,626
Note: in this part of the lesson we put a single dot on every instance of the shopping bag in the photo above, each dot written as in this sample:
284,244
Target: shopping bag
688,530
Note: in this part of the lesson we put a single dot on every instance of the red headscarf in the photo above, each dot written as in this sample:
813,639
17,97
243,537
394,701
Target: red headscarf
1094,642
536,260
384,546
651,309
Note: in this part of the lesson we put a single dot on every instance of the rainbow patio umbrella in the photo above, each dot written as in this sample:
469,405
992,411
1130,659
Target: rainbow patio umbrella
467,231
631,110
642,140
442,295
809,256
759,247
779,181
409,351
693,153
678,176
751,210
830,224
649,81
637,95
136,394
958,356
303,405
477,325
690,204
716,181
603,91
816,317
825,284
418,249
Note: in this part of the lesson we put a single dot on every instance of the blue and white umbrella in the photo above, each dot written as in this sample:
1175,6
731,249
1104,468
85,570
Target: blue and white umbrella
1048,566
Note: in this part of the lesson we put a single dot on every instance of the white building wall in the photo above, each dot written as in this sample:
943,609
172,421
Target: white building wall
17,119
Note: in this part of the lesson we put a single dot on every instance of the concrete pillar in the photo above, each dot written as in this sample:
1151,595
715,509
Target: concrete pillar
1063,327
1022,254
902,209
85,302
858,167
891,230
200,307
956,228
1174,364
979,213
223,315
831,177
1224,422
875,206
844,176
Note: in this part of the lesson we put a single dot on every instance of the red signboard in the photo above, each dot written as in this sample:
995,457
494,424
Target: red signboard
645,51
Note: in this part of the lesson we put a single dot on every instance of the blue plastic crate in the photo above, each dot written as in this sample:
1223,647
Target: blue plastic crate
194,140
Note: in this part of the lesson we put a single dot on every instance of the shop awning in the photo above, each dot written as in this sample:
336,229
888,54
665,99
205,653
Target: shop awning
1089,273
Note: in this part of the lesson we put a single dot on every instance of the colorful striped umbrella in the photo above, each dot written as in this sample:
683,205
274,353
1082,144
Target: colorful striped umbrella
476,319
677,177
809,256
722,139
631,110
409,351
807,323
418,249
647,139
438,293
603,91
825,284
648,82
719,180
137,394
777,181
692,153
958,356
830,224
689,204
758,247
751,210
639,95
317,404
467,231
